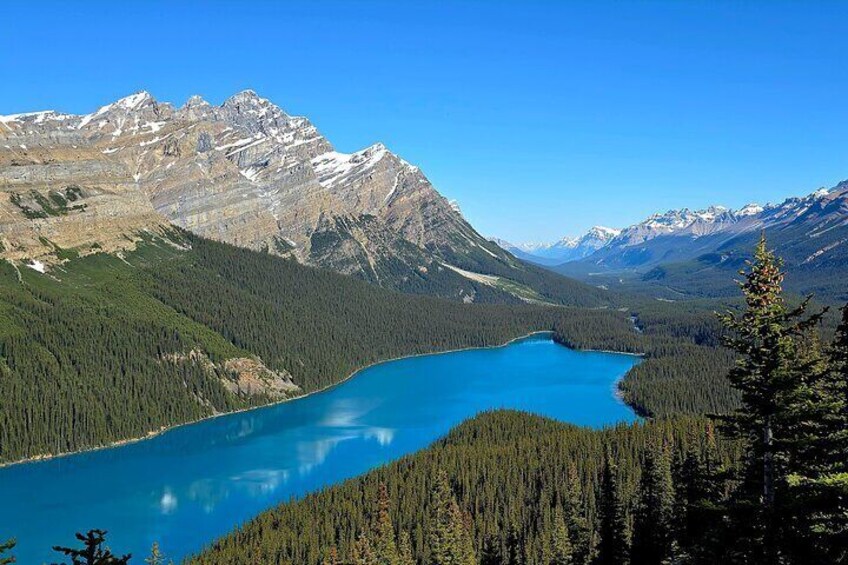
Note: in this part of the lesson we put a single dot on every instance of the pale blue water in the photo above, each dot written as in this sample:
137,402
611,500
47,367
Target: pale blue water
195,483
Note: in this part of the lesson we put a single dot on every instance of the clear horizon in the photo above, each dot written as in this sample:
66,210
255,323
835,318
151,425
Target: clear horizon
540,122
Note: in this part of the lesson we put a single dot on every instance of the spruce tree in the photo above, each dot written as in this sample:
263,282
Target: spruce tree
362,552
653,522
612,547
155,557
405,555
768,376
700,507
450,531
385,548
578,526
491,553
332,557
93,551
561,551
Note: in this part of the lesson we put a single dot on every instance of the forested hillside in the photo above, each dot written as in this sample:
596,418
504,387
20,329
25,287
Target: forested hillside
126,346
509,488
685,366
523,484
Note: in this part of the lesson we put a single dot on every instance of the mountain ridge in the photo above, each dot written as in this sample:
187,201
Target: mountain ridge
247,173
700,251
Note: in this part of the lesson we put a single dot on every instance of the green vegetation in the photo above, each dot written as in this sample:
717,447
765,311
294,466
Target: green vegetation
93,551
517,480
321,326
791,503
34,205
503,488
684,369
772,489
107,340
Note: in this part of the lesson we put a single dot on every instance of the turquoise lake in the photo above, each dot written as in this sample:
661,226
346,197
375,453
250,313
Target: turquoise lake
194,483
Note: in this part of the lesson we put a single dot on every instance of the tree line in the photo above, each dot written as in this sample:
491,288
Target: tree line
770,487
766,483
92,337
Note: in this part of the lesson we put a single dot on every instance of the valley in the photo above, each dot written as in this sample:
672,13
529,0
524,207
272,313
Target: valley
685,253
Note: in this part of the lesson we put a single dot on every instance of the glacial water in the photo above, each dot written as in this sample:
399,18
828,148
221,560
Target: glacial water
194,483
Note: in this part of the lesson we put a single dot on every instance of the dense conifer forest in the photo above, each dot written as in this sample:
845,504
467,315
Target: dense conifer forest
770,487
762,478
517,479
96,334
96,339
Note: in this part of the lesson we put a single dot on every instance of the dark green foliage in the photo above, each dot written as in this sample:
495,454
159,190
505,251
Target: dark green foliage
653,526
699,507
101,367
93,551
775,493
561,552
450,540
771,375
124,329
509,472
108,325
318,325
405,556
612,547
684,369
385,546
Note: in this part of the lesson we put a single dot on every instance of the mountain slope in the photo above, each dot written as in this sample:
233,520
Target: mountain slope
124,346
699,252
246,173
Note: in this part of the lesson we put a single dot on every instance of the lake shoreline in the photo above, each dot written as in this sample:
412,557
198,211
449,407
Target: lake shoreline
155,433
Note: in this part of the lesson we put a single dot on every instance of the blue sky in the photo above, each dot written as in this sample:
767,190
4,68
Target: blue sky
540,118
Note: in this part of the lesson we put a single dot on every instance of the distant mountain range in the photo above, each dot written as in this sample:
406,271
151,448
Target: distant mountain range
698,252
249,174
564,250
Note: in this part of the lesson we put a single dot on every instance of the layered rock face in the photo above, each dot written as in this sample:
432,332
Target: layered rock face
244,172
58,191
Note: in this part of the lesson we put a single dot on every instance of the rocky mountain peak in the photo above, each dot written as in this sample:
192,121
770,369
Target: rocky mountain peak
602,232
244,172
196,101
247,101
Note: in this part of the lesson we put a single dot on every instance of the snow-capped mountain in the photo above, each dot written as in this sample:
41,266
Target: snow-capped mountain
810,232
564,250
687,232
245,172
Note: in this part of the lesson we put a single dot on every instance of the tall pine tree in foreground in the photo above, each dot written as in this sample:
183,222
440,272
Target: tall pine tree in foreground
93,551
771,375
